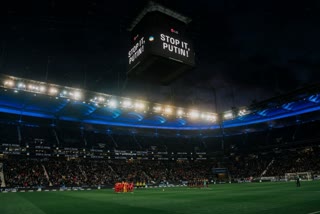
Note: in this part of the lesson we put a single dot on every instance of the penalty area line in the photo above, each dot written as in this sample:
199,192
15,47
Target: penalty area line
314,212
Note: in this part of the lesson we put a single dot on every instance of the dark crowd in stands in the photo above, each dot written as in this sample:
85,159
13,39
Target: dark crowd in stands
75,173
273,152
89,172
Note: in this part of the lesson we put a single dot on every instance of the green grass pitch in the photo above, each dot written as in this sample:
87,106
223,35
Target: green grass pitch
226,198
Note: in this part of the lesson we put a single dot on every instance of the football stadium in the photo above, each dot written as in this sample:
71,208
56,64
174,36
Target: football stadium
159,107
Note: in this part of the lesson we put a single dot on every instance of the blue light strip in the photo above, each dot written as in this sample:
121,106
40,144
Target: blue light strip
128,124
290,114
26,113
201,127
89,113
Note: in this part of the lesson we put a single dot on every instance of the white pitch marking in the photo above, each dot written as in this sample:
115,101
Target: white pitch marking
314,212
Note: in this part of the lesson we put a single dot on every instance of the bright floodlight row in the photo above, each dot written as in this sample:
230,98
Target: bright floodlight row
179,112
43,88
114,102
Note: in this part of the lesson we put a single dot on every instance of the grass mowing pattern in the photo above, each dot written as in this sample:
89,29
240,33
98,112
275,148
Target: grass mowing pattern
227,198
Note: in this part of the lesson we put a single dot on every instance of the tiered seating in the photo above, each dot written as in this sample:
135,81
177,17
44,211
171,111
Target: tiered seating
24,173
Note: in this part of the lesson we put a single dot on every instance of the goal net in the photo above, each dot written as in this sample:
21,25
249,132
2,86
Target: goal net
304,176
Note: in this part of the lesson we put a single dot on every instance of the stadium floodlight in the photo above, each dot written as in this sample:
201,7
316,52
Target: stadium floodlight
42,88
180,112
194,114
9,83
106,100
36,88
139,106
64,92
112,104
227,115
242,112
127,104
31,87
157,108
211,117
168,110
77,95
101,99
21,85
53,91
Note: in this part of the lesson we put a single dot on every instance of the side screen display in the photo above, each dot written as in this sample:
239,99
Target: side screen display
136,51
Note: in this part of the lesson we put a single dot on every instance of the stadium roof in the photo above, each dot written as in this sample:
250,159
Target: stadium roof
38,99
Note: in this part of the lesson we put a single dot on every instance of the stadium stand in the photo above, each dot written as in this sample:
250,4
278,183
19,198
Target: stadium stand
32,156
93,173
24,173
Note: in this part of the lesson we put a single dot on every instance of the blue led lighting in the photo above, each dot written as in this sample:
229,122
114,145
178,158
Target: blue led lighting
77,111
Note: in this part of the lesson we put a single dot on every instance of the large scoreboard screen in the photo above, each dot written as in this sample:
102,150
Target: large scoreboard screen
169,44
163,43
159,35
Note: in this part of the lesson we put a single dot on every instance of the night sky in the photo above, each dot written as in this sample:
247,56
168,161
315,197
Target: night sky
245,50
